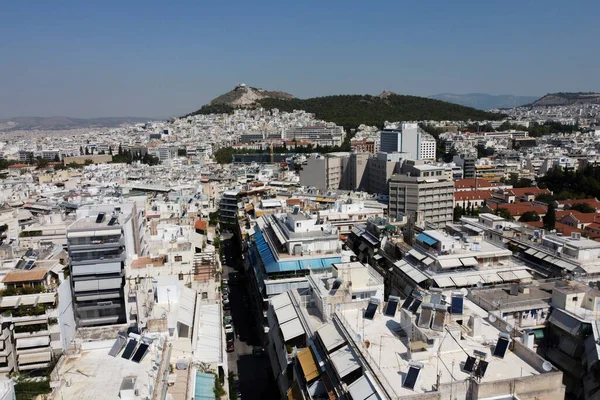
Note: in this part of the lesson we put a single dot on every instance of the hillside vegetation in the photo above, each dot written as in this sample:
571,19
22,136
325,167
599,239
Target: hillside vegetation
351,111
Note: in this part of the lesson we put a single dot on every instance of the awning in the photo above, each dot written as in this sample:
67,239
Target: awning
450,263
33,342
413,273
522,274
474,279
307,362
443,282
291,329
469,261
508,276
416,254
422,237
491,278
460,281
565,322
428,261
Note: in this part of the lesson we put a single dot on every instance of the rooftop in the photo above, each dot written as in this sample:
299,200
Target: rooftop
95,375
89,222
389,354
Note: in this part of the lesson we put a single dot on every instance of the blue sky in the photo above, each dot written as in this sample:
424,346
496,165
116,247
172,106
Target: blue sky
157,58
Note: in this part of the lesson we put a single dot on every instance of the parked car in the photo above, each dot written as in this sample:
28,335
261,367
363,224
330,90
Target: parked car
228,328
236,389
227,319
226,305
230,347
258,351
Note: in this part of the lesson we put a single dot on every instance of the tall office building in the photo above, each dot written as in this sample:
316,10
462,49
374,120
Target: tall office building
96,245
423,192
410,139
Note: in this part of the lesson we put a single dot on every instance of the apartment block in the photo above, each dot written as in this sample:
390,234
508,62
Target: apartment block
423,192
96,245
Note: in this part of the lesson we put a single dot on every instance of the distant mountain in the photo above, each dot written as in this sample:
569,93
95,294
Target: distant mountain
566,99
484,101
65,123
243,95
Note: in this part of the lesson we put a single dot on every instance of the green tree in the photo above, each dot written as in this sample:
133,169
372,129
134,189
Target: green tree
110,150
41,163
81,150
550,218
120,152
458,212
504,213
56,158
583,207
530,216
87,151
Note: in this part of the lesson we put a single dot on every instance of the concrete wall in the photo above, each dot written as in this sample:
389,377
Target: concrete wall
81,159
66,317
540,387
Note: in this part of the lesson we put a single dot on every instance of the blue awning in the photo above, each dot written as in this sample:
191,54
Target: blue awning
422,237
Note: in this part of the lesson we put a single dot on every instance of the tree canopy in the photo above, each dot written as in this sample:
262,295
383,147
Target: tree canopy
530,216
583,207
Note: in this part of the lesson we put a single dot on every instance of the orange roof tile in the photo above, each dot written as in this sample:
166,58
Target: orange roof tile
36,274
517,209
200,225
470,183
472,195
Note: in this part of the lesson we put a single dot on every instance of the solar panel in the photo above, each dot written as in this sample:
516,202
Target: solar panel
370,311
481,367
407,303
29,265
118,346
501,347
425,316
415,306
112,221
140,353
411,378
100,217
469,364
457,305
439,319
129,349
20,264
336,284
391,308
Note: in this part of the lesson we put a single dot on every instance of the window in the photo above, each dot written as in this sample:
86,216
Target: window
178,258
574,298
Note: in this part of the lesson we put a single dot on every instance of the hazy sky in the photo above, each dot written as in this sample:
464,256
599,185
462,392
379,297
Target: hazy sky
160,58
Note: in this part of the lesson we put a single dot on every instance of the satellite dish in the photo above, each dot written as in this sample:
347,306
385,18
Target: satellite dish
509,328
547,366
479,284
492,318
464,292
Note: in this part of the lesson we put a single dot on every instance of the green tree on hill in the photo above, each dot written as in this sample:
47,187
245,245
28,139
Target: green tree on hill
550,218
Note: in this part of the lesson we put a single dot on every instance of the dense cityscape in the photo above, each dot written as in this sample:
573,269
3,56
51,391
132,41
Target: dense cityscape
299,200
202,254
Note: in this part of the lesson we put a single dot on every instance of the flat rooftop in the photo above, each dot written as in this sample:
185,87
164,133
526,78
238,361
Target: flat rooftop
388,351
96,375
537,296
89,222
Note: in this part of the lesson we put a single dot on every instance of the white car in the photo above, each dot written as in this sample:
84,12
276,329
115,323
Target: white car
228,328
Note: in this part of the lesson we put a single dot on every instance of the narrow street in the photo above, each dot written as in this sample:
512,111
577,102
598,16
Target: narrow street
253,372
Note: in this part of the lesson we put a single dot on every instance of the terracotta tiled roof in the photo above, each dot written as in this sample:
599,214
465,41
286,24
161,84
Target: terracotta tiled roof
566,230
584,218
472,195
517,209
470,183
524,191
200,225
36,274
